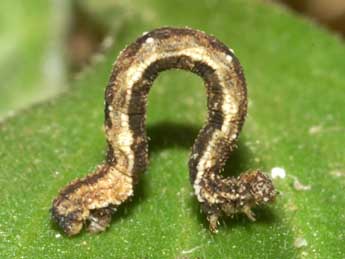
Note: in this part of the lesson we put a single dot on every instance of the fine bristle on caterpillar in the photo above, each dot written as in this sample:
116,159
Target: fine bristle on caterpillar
94,198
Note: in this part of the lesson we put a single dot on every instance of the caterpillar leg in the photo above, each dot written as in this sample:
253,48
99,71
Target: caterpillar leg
99,219
230,196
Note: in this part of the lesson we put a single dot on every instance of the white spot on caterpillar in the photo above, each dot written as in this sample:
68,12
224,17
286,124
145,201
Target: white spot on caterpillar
194,156
149,40
229,58
110,108
278,172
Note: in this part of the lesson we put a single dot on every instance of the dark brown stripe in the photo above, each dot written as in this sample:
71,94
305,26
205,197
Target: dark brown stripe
88,180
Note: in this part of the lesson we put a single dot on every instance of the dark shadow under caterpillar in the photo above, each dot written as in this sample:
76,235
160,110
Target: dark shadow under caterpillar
95,197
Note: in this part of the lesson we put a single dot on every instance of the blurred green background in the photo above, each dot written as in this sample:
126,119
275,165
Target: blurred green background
55,60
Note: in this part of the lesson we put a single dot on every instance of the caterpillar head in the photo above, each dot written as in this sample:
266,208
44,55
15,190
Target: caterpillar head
260,187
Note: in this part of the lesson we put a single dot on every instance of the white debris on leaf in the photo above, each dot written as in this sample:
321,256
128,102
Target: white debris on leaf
300,187
107,42
315,129
189,251
278,172
300,242
338,173
97,58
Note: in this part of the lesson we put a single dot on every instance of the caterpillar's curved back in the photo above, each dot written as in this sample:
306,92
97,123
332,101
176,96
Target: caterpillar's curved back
125,112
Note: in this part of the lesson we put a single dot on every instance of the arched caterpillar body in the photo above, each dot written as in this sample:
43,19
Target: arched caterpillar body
94,197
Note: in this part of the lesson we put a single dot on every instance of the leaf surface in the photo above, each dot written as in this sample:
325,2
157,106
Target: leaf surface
296,121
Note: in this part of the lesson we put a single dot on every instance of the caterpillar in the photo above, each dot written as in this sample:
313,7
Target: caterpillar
93,199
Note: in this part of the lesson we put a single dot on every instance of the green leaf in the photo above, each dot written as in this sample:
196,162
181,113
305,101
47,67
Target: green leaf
31,53
296,121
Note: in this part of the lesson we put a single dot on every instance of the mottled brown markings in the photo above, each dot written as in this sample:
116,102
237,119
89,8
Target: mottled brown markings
88,180
94,197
